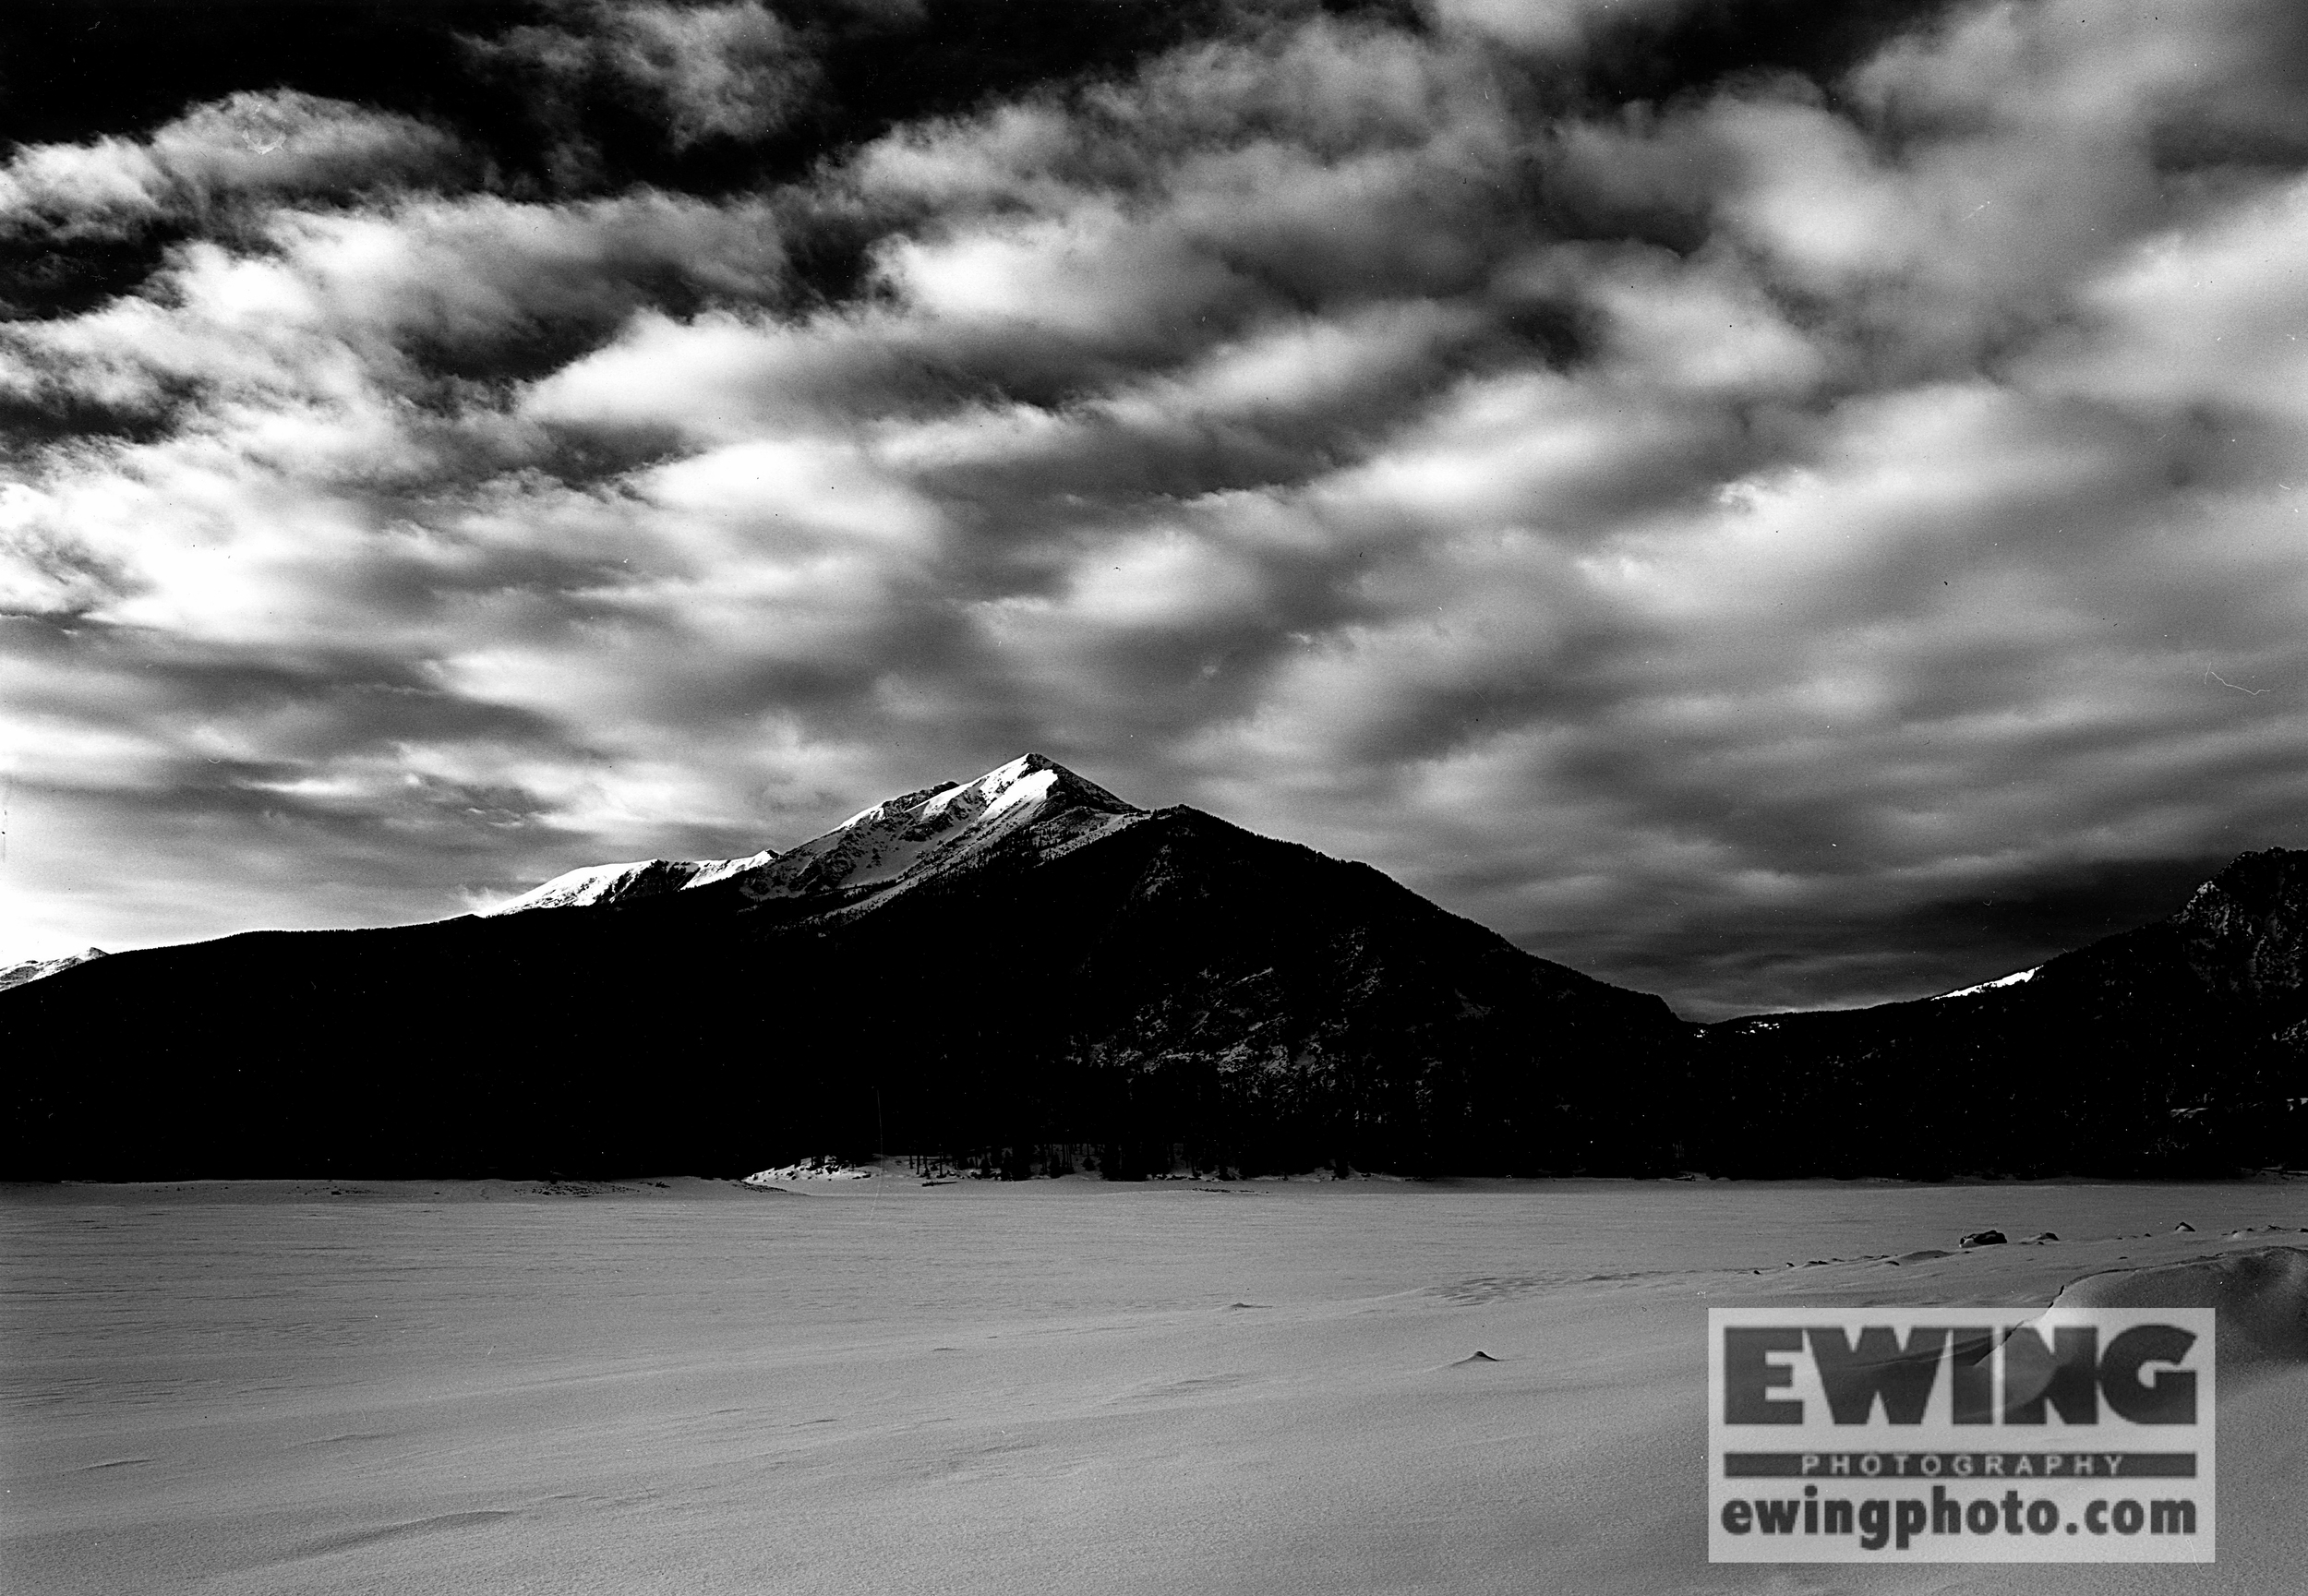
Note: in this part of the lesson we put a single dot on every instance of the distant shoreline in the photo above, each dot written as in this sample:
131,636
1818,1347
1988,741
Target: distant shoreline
661,1188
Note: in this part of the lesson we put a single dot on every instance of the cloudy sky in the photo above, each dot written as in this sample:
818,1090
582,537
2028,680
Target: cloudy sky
1773,502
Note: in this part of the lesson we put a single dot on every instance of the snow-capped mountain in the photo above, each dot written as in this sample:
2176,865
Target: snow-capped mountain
1020,958
33,969
1031,802
1032,807
2016,979
593,884
1026,959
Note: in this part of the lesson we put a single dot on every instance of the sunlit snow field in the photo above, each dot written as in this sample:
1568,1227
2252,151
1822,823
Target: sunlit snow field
874,1386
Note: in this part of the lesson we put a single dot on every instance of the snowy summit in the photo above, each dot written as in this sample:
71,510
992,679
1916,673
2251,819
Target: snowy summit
33,969
892,844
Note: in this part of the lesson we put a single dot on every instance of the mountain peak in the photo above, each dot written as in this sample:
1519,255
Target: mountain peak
33,969
2273,880
906,837
1027,764
924,832
2247,928
1039,778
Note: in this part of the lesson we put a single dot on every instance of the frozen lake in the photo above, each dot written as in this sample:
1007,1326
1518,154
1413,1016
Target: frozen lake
880,1386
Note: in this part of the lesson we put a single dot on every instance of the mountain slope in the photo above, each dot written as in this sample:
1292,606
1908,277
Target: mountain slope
2179,1046
1027,959
33,969
900,842
598,884
1023,958
893,845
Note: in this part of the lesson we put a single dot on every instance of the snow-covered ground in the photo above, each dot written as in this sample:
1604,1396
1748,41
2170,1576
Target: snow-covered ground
876,1386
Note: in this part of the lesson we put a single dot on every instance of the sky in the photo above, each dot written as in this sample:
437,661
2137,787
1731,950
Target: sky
1778,505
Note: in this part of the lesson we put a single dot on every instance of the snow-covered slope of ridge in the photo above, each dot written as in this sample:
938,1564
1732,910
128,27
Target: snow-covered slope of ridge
900,841
619,883
885,847
33,969
2016,979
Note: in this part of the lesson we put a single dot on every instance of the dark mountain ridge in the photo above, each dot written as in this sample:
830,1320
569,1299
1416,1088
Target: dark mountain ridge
1025,960
1080,973
2179,1047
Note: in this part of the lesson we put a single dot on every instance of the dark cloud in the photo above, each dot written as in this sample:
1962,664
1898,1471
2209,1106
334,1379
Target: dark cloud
1663,52
76,70
715,96
47,276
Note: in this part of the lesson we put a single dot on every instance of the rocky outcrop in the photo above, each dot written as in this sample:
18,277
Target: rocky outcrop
2246,931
